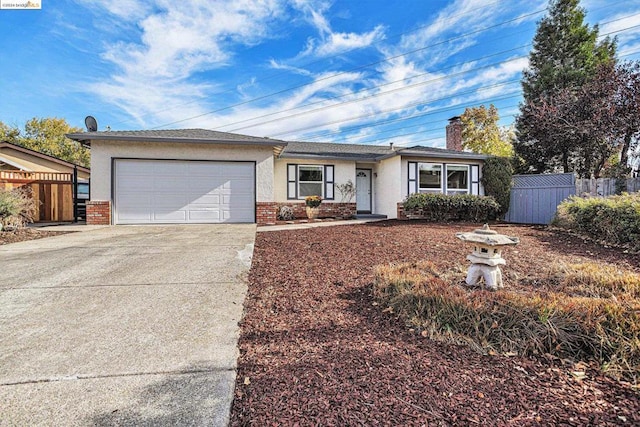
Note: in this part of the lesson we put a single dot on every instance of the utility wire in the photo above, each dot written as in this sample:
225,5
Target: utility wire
384,93
412,77
323,59
401,108
361,67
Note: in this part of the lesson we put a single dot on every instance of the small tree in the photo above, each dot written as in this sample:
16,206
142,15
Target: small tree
481,133
497,181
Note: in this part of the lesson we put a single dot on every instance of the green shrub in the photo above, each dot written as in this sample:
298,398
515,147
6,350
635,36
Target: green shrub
17,207
459,207
497,181
584,312
614,219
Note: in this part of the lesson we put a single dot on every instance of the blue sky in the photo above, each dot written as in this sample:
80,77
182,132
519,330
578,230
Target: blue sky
358,71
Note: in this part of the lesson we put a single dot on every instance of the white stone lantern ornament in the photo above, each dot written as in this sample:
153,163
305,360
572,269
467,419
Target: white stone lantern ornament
486,256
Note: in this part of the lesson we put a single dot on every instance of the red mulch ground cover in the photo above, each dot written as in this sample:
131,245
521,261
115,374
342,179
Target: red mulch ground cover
315,349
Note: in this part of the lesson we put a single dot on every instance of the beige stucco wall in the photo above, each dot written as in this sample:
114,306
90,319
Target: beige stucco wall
31,163
388,187
102,153
343,171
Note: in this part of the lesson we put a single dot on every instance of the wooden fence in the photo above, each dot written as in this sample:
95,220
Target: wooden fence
52,191
604,186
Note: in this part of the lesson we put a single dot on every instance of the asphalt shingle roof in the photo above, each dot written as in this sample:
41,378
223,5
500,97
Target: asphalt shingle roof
334,150
367,152
180,135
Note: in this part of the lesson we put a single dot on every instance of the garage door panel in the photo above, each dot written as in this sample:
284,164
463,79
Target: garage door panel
201,185
204,215
160,215
167,191
208,199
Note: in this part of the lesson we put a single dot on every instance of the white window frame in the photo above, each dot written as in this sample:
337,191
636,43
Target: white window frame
426,189
473,179
326,184
466,190
320,183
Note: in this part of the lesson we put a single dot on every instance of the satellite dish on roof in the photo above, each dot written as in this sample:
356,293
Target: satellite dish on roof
91,123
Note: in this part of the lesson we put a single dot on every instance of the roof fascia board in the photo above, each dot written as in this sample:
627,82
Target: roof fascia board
42,156
14,164
82,137
466,156
328,157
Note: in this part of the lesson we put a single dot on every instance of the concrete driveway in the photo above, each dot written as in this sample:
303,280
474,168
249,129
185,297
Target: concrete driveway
122,325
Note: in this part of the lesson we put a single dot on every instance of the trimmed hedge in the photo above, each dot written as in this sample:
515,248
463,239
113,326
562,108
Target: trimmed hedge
614,220
459,207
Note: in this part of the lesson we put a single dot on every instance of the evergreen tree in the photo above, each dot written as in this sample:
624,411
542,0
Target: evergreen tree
564,57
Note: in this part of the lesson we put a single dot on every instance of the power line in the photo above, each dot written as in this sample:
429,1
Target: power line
343,53
403,107
363,90
326,58
513,95
386,59
353,101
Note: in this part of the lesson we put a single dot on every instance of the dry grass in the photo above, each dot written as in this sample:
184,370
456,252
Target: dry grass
582,311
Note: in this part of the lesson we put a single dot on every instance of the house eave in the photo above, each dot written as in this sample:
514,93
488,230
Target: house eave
328,157
42,156
460,155
87,137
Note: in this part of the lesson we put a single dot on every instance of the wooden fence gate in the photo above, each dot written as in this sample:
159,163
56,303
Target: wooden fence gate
52,191
534,198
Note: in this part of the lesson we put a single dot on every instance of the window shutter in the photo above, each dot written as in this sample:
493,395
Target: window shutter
328,182
292,178
475,180
413,177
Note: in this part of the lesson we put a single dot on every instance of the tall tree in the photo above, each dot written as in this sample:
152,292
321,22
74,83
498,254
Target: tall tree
564,57
47,135
600,119
482,134
9,133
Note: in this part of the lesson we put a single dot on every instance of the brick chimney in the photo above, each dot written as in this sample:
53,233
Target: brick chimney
454,134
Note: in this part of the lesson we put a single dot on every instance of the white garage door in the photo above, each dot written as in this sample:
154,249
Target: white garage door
176,191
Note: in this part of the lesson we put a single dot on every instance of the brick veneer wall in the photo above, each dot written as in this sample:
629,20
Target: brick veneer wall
400,212
98,212
267,212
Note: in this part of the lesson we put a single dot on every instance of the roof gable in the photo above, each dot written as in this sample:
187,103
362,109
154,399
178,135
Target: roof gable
28,151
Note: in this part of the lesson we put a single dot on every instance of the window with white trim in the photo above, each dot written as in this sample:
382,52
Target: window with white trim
457,179
430,177
310,180
446,178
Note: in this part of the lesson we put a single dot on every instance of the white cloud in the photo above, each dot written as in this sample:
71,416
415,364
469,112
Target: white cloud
330,42
176,40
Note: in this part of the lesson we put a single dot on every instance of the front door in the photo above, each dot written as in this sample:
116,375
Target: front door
363,190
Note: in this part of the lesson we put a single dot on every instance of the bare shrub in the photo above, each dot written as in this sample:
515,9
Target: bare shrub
17,207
